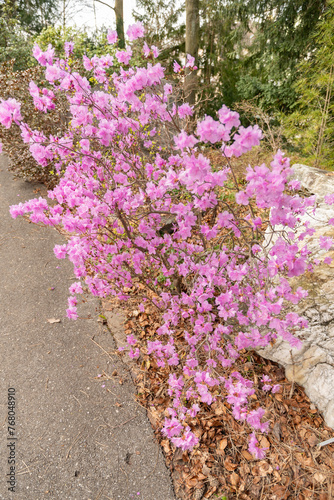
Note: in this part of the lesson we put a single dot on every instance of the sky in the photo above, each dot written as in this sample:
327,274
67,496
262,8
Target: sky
104,15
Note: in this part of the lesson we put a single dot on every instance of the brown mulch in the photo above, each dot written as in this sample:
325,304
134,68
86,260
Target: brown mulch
221,467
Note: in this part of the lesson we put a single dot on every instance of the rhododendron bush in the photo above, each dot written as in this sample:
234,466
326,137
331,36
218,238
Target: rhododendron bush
145,209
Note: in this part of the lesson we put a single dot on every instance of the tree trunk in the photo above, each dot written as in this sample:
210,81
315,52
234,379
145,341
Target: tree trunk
192,37
120,23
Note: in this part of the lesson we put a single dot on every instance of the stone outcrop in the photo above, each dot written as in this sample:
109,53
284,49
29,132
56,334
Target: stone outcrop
313,365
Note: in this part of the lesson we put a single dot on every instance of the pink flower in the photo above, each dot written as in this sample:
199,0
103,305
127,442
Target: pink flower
209,130
76,287
9,111
190,61
325,242
185,110
183,140
52,73
134,354
155,51
329,199
258,453
135,31
187,441
112,36
68,47
241,198
146,50
229,118
172,427
176,67
60,251
131,340
72,313
124,56
43,58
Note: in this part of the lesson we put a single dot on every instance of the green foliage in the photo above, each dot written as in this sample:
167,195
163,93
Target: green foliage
220,64
15,42
84,43
310,128
32,15
281,33
163,28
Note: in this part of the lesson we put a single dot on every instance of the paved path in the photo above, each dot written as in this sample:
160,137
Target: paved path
75,438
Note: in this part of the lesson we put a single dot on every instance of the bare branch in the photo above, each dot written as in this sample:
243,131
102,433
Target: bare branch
100,1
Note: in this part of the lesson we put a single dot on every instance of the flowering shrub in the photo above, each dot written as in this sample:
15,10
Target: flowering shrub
144,209
54,121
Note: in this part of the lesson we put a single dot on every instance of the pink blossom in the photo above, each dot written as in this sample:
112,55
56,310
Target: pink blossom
112,36
176,67
43,58
146,50
229,118
135,31
124,56
259,453
172,427
68,48
185,110
187,441
209,130
325,242
241,198
72,313
60,251
155,51
190,61
183,140
329,199
131,340
9,112
76,287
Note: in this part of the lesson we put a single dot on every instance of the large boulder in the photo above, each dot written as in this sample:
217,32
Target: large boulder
312,366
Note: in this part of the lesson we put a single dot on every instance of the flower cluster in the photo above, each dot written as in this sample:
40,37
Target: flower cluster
145,209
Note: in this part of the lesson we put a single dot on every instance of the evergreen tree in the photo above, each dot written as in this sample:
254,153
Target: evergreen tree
311,126
32,15
281,37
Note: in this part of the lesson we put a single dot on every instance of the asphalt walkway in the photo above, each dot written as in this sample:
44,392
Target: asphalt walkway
71,434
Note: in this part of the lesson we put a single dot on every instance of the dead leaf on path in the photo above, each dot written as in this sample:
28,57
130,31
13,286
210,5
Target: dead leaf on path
53,320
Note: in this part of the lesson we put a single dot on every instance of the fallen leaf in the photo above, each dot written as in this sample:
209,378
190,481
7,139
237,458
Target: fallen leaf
229,465
235,479
53,320
247,455
277,431
312,440
320,478
221,446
